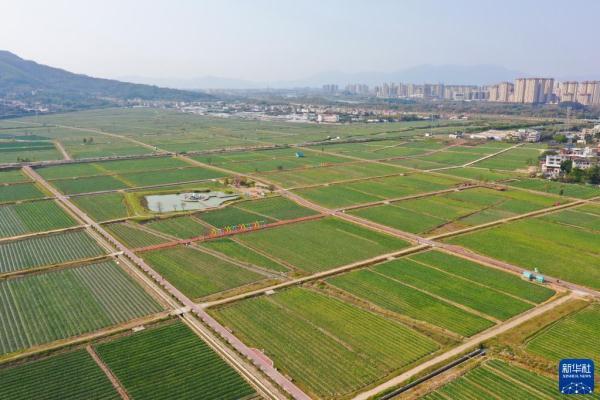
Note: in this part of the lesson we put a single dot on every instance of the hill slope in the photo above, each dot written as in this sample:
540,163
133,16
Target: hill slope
29,81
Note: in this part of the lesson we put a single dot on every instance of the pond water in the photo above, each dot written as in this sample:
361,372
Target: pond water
188,201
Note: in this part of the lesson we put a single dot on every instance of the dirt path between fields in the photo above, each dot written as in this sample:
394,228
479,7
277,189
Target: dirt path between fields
109,374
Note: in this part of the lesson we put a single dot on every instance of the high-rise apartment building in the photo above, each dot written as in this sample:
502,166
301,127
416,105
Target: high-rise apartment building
533,90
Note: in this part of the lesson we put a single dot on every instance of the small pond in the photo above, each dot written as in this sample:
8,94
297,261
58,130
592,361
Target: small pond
188,201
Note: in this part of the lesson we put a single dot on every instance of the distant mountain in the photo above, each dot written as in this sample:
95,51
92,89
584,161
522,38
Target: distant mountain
448,74
26,80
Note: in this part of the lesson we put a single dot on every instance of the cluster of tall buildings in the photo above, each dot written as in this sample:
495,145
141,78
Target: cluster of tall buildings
522,90
545,90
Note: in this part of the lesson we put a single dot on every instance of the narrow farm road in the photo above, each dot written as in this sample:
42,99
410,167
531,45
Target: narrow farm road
62,150
109,374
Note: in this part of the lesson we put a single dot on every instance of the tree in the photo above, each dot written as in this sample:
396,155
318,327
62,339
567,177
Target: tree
560,138
566,166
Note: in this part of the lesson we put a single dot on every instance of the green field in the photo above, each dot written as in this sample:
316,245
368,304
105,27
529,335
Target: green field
448,212
20,191
469,293
12,176
72,375
242,253
330,348
322,244
88,185
269,160
480,174
575,336
133,236
41,308
37,216
169,176
519,158
394,296
171,362
490,277
47,250
180,227
311,176
347,194
198,274
495,379
564,250
247,212
567,189
103,207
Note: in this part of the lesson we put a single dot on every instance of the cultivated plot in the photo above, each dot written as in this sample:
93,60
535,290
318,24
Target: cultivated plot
72,375
562,244
171,362
321,244
453,211
37,216
47,250
370,190
498,379
41,308
198,274
575,336
329,347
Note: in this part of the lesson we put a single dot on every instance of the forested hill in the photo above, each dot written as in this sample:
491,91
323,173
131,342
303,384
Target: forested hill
28,81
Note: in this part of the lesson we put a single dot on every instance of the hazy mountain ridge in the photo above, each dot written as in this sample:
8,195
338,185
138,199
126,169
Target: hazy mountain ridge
27,80
448,74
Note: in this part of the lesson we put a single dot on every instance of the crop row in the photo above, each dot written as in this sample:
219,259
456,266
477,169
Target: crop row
329,347
38,216
41,308
171,362
47,250
73,375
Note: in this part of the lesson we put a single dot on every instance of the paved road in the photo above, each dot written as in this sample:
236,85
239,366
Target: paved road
456,351
259,362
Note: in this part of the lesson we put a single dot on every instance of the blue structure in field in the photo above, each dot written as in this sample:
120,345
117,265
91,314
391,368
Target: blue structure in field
534,276
299,154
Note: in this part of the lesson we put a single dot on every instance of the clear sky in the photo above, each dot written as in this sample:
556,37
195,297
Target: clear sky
291,39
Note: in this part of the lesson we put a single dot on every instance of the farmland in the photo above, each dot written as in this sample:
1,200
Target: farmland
133,236
322,244
269,160
455,210
566,189
103,207
171,362
574,336
72,375
311,176
12,176
556,244
498,379
198,274
247,212
514,159
330,347
475,296
394,296
42,308
333,332
47,250
38,216
20,191
243,254
364,191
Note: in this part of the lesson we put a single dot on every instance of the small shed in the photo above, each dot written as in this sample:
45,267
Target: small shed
299,154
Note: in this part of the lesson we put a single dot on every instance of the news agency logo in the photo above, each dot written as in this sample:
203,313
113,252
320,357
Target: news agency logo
576,376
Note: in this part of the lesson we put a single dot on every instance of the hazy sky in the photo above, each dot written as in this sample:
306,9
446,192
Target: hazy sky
292,39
